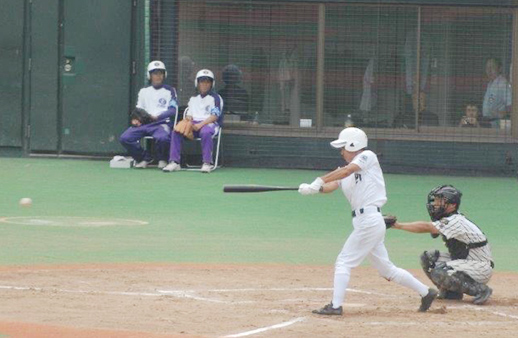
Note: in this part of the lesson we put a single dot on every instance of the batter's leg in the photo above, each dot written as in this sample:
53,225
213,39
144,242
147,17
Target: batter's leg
380,260
356,248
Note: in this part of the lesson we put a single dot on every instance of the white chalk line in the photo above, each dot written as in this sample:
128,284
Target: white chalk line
481,308
191,294
267,328
457,323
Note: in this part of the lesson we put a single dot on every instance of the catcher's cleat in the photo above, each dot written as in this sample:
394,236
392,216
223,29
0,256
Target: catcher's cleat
162,164
483,296
206,168
329,310
445,294
173,166
427,300
141,165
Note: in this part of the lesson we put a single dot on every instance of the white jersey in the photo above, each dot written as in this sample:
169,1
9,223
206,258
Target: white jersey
497,98
202,107
457,226
367,186
156,101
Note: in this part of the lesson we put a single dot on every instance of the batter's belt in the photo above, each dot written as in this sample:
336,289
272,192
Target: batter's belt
365,210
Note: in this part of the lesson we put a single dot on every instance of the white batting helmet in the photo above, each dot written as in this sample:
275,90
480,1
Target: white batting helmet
154,65
352,139
204,73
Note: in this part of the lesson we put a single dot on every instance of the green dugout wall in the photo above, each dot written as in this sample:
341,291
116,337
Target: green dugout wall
69,69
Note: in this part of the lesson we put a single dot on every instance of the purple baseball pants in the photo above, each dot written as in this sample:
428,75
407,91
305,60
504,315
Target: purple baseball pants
161,133
205,133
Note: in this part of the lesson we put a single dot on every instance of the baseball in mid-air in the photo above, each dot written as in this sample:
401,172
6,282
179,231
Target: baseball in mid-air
26,202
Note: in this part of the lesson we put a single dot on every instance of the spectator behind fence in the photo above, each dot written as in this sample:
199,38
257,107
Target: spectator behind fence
204,111
498,98
160,102
426,117
470,119
233,94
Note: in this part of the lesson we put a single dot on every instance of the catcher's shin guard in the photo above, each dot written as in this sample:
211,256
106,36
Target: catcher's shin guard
428,260
460,282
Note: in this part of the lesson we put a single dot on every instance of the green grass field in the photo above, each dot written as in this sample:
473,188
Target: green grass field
190,219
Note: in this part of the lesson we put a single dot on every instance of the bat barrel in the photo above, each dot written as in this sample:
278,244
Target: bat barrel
254,188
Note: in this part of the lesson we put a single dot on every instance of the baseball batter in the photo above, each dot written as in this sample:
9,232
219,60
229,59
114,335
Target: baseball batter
362,183
467,266
159,100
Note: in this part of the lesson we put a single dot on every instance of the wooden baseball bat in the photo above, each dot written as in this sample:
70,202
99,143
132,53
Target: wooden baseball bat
255,188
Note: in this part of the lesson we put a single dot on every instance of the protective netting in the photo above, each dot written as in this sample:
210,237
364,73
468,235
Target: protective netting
301,69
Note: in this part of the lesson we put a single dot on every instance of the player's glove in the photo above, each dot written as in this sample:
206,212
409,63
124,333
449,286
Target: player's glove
390,220
184,127
305,189
140,115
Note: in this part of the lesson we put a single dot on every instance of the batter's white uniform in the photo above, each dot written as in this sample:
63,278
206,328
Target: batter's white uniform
478,263
365,191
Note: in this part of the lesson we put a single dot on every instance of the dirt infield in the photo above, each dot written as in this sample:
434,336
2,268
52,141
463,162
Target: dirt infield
190,300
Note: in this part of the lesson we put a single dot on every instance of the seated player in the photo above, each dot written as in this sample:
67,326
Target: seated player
159,101
204,111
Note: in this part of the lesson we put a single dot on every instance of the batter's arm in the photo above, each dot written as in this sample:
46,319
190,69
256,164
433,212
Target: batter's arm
417,227
340,173
330,187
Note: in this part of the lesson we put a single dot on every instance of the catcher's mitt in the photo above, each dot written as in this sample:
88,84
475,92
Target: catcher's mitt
141,116
390,220
184,127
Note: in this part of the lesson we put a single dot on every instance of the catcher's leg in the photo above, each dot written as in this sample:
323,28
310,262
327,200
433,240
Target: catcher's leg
460,282
429,260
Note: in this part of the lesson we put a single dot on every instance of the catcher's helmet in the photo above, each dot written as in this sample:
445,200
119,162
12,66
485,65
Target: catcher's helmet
204,73
449,194
154,65
352,139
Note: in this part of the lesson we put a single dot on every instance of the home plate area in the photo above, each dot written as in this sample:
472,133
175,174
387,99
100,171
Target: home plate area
197,300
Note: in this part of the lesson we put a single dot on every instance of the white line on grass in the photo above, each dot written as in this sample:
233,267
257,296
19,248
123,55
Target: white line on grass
263,329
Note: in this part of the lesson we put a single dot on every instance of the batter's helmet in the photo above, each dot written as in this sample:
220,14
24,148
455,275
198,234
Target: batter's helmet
154,65
204,73
449,194
352,139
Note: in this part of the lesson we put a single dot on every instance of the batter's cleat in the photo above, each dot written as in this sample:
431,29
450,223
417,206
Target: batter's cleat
142,165
162,164
445,294
206,168
427,300
329,310
173,166
483,296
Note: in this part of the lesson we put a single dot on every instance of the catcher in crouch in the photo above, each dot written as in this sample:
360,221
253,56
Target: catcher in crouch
468,266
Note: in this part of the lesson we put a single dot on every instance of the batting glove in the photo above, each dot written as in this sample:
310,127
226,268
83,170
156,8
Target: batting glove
305,189
317,184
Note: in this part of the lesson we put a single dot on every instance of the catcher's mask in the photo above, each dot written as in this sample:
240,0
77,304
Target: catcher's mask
447,194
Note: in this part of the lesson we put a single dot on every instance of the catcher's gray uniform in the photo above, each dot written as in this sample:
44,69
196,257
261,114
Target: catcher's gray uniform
478,262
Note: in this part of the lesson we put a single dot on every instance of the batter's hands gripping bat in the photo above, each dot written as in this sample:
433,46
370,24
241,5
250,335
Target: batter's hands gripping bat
255,188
